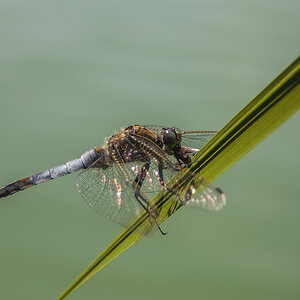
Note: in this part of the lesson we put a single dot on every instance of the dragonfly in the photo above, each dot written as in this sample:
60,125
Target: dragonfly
120,178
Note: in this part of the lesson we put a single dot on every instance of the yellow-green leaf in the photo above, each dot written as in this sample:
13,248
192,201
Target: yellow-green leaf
275,104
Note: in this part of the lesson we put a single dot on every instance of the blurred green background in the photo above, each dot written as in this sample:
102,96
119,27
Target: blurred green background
73,72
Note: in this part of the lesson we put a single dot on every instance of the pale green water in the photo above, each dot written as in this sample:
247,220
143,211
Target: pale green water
72,72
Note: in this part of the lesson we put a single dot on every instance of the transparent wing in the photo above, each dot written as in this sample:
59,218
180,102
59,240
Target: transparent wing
111,191
209,198
108,193
193,139
196,139
111,195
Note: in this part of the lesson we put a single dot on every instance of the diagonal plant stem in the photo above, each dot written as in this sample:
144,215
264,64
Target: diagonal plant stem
270,108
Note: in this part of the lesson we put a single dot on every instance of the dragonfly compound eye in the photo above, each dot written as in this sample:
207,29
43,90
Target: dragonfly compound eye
170,139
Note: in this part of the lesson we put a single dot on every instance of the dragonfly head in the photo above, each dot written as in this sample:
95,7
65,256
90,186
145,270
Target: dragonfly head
170,138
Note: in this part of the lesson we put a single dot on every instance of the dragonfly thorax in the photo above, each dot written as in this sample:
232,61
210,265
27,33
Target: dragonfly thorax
130,144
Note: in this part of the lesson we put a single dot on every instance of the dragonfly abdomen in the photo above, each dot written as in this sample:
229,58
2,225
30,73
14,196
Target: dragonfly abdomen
85,160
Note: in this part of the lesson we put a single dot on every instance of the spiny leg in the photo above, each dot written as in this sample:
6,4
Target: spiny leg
140,177
137,184
161,180
137,195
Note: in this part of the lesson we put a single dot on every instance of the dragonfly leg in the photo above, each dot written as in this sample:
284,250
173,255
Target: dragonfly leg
137,184
137,195
161,180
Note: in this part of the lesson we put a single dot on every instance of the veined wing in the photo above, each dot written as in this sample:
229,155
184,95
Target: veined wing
108,193
112,195
194,139
210,198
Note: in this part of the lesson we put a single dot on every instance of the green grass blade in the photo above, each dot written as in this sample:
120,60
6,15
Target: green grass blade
275,104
